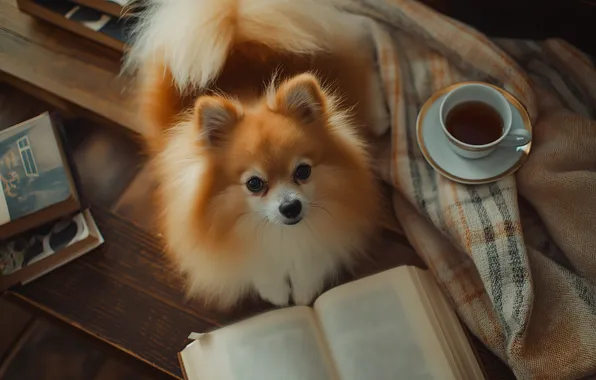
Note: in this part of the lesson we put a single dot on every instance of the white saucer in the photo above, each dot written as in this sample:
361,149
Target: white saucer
433,144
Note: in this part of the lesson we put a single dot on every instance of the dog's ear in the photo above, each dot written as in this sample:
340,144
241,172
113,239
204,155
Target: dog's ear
215,118
300,97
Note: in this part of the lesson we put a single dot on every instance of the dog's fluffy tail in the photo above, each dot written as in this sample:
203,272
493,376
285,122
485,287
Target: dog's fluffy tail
193,38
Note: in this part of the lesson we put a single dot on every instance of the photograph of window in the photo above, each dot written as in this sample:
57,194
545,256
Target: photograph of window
32,172
27,157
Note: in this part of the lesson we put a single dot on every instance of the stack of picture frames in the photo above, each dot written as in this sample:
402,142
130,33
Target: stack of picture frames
104,21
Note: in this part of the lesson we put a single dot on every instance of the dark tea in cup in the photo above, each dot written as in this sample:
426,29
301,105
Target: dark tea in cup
476,118
474,123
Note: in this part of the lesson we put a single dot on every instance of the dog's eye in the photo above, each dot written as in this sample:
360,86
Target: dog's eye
302,172
255,184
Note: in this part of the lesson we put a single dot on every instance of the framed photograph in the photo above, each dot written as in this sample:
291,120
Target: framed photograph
37,181
103,21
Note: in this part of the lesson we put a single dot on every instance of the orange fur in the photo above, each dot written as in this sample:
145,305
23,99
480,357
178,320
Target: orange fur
226,240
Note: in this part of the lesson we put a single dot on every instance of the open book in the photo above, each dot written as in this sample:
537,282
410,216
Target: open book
393,325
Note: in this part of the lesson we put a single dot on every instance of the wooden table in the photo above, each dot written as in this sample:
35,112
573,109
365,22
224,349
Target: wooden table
71,73
124,293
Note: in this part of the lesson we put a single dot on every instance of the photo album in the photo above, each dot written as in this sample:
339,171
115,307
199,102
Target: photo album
393,325
42,222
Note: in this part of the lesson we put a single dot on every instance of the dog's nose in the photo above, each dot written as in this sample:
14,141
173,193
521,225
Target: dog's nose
291,209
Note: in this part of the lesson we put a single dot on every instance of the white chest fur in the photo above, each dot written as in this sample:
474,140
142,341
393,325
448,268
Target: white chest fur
297,260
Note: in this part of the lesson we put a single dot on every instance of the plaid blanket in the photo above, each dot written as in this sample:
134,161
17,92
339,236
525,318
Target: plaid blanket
521,271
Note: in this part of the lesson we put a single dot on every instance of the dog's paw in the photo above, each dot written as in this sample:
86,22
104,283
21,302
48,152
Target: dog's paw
277,294
304,295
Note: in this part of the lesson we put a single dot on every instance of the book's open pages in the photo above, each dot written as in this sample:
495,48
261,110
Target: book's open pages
393,325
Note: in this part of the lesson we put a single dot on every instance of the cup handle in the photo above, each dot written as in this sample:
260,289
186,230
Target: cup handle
518,137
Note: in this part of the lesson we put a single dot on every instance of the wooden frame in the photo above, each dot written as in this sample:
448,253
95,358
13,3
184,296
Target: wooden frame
108,7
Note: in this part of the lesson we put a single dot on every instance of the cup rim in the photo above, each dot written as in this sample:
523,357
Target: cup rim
473,147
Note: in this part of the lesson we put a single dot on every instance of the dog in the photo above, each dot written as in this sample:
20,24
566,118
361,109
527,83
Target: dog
257,116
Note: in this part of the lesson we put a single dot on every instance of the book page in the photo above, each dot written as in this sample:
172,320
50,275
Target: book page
282,344
377,328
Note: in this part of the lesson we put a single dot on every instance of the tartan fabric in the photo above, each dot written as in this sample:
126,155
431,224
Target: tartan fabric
521,271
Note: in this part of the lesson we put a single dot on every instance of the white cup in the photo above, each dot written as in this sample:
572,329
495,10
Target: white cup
492,97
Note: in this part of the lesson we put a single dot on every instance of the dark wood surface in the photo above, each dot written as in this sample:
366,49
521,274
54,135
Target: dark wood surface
47,350
125,293
108,161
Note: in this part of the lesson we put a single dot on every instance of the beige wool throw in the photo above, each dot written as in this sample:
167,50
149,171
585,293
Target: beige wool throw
517,257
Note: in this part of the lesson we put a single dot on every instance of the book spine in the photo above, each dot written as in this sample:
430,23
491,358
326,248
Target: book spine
4,214
181,362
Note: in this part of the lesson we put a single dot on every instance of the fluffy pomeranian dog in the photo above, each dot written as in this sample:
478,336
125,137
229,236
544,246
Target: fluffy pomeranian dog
265,181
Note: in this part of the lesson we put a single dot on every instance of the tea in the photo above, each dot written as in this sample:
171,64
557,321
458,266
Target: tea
474,123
